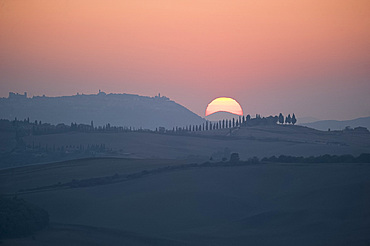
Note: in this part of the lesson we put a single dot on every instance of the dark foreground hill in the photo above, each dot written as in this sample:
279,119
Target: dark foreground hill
116,109
256,204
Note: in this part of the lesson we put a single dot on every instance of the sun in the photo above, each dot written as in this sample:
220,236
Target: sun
224,104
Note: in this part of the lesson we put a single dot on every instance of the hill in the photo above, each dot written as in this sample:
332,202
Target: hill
256,204
221,116
116,109
260,141
304,120
324,125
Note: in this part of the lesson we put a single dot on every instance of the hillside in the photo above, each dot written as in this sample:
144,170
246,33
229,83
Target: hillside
260,141
116,109
324,125
221,116
255,204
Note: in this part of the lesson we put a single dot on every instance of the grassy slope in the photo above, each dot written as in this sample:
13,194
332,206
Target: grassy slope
251,141
12,180
266,204
79,235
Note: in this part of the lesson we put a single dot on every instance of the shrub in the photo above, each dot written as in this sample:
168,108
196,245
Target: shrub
234,157
19,218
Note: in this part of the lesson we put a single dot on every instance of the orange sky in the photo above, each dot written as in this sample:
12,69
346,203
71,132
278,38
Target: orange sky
271,56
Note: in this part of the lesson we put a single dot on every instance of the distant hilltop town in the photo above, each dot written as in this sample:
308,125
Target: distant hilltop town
17,95
13,95
117,109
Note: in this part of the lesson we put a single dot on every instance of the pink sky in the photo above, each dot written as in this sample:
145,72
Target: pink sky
311,58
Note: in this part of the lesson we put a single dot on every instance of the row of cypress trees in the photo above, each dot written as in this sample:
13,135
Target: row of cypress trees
238,122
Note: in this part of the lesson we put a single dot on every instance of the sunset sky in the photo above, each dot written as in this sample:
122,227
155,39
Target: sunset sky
308,57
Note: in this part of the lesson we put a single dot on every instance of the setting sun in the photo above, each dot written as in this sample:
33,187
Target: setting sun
224,104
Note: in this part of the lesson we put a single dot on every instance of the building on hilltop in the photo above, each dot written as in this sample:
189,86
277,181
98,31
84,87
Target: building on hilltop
13,95
101,93
161,97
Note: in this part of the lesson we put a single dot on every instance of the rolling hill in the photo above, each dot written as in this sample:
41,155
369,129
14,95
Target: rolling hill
324,125
255,204
260,141
221,116
116,109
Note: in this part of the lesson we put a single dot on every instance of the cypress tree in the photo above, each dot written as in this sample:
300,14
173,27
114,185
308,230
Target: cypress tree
281,118
294,120
288,119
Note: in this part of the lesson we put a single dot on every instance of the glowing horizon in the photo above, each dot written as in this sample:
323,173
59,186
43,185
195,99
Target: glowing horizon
283,53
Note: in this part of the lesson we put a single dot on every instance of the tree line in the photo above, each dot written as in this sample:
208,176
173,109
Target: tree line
241,121
362,158
26,127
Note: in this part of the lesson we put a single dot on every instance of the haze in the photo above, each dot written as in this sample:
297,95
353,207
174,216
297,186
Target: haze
307,57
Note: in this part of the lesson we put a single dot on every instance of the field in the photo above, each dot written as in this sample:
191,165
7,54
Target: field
260,141
12,180
256,204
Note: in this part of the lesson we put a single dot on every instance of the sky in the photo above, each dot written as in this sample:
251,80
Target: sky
308,57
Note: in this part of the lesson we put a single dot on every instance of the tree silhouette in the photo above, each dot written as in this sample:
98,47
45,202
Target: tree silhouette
294,120
234,158
288,119
281,118
20,218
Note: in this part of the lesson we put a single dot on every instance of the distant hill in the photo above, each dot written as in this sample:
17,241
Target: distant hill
117,109
221,115
324,125
304,120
